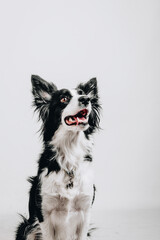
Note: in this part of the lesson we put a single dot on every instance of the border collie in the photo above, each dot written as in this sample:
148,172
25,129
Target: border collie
63,190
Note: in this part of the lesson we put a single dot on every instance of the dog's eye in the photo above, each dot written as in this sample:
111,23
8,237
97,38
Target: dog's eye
64,99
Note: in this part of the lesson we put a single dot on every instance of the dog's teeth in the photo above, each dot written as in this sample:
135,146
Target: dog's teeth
70,119
79,119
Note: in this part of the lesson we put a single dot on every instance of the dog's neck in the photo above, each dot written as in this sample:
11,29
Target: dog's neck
70,147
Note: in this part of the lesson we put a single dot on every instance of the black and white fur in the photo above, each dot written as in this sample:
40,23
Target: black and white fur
63,190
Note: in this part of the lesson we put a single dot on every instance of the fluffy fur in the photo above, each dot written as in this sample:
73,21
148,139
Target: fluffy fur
63,190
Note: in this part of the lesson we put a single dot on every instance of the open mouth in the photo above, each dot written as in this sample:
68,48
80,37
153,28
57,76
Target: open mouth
79,118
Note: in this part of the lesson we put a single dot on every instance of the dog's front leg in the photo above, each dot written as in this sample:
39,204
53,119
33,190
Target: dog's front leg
47,230
83,226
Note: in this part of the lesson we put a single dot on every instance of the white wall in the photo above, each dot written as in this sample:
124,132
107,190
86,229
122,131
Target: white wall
68,42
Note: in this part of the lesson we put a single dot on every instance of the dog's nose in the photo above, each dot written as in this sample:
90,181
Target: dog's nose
84,100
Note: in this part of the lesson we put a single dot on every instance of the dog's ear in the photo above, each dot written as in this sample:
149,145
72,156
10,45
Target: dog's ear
89,87
42,92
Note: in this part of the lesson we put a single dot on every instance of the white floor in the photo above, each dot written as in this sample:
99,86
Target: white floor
111,225
128,225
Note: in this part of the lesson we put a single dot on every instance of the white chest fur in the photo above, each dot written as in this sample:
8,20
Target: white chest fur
55,193
62,206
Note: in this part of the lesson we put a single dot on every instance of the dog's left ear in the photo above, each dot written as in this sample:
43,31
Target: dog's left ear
89,87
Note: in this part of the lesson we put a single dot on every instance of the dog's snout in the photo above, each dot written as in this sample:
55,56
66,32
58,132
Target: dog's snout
84,100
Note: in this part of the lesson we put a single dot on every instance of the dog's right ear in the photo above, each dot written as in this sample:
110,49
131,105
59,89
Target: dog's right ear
42,92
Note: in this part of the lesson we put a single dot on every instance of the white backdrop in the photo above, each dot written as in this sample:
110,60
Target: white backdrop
117,41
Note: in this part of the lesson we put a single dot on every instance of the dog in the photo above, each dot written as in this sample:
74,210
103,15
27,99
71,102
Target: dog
63,191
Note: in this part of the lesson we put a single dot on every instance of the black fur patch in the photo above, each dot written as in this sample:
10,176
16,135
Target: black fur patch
55,111
94,193
88,158
25,228
48,160
35,200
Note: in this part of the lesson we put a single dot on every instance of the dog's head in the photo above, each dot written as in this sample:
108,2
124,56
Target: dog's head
75,110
